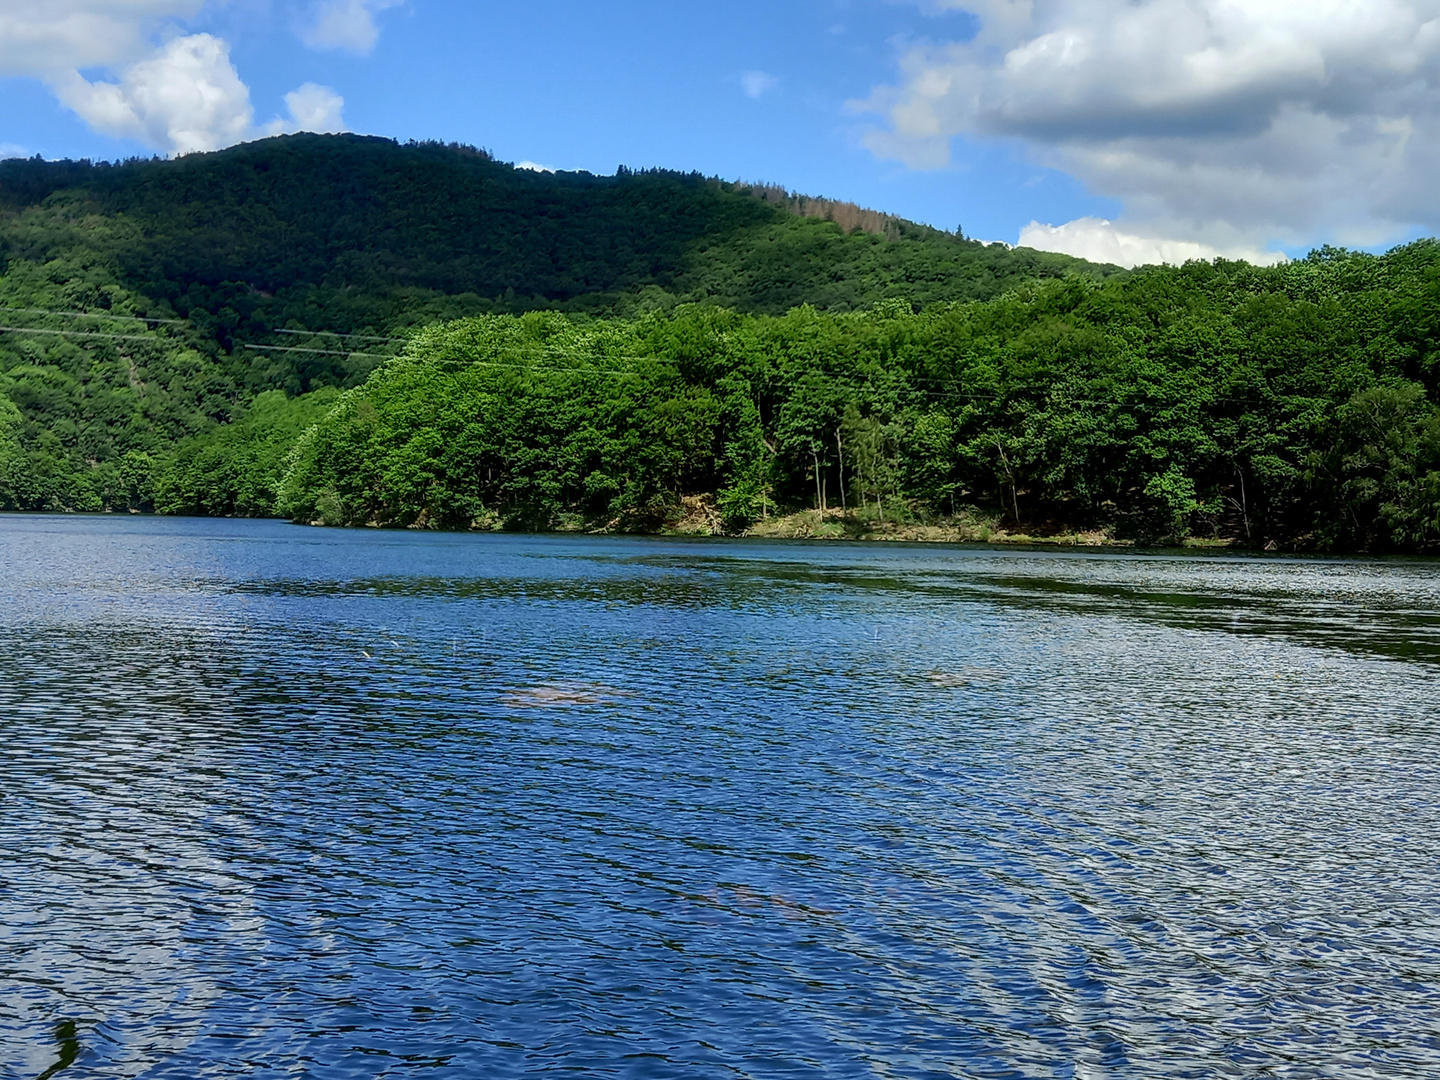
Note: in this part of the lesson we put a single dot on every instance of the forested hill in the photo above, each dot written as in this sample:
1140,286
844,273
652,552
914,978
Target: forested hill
172,341
156,300
346,232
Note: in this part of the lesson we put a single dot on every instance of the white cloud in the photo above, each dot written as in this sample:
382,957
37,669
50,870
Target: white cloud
186,97
348,25
41,37
312,108
1216,121
533,166
173,92
757,84
11,150
1101,241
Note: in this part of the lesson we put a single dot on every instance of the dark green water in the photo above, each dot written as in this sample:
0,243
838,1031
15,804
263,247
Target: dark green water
278,802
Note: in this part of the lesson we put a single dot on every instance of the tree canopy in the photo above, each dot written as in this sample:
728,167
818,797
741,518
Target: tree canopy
1291,406
352,331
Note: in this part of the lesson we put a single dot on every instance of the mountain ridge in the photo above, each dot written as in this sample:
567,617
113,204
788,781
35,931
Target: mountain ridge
362,212
603,352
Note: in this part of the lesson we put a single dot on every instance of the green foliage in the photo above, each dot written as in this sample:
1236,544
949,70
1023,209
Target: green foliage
235,470
357,234
109,410
1380,475
208,280
526,422
1263,406
12,455
99,398
588,352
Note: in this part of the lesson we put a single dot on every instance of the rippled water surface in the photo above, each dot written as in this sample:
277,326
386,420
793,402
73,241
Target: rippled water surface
303,803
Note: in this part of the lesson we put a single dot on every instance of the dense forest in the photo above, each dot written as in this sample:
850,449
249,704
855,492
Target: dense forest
1290,406
348,331
354,234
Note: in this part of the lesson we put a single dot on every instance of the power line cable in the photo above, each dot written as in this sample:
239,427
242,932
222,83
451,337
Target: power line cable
554,370
332,333
325,352
548,350
95,315
483,363
89,334
942,393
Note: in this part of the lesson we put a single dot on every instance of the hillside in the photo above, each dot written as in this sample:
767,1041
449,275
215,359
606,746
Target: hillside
173,341
282,228
148,301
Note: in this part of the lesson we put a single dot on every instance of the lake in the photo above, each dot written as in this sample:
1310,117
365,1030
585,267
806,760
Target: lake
288,802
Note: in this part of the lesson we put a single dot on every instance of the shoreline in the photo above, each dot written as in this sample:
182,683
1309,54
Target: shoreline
699,519
699,522
804,525
832,525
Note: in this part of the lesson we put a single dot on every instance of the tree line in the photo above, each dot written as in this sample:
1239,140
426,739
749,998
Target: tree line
1291,407
174,344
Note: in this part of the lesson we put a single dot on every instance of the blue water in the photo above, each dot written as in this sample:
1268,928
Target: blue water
283,802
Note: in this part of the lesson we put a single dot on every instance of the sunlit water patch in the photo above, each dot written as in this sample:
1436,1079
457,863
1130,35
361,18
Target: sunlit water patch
289,802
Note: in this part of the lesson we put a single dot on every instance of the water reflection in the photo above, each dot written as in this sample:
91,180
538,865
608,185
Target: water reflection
289,802
1394,612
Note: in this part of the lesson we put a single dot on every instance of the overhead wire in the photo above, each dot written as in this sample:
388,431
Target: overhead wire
941,390
84,334
332,333
943,393
452,359
296,348
95,315
455,359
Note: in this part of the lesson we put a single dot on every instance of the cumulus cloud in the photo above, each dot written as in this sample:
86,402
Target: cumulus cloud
533,166
186,97
168,90
1101,241
41,37
1247,120
312,108
757,84
348,25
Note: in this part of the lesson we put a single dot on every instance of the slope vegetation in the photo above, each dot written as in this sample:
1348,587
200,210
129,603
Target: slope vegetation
149,302
350,331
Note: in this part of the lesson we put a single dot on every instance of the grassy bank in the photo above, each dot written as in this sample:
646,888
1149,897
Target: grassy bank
700,518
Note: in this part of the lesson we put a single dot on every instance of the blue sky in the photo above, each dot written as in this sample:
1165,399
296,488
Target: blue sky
582,86
1176,127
